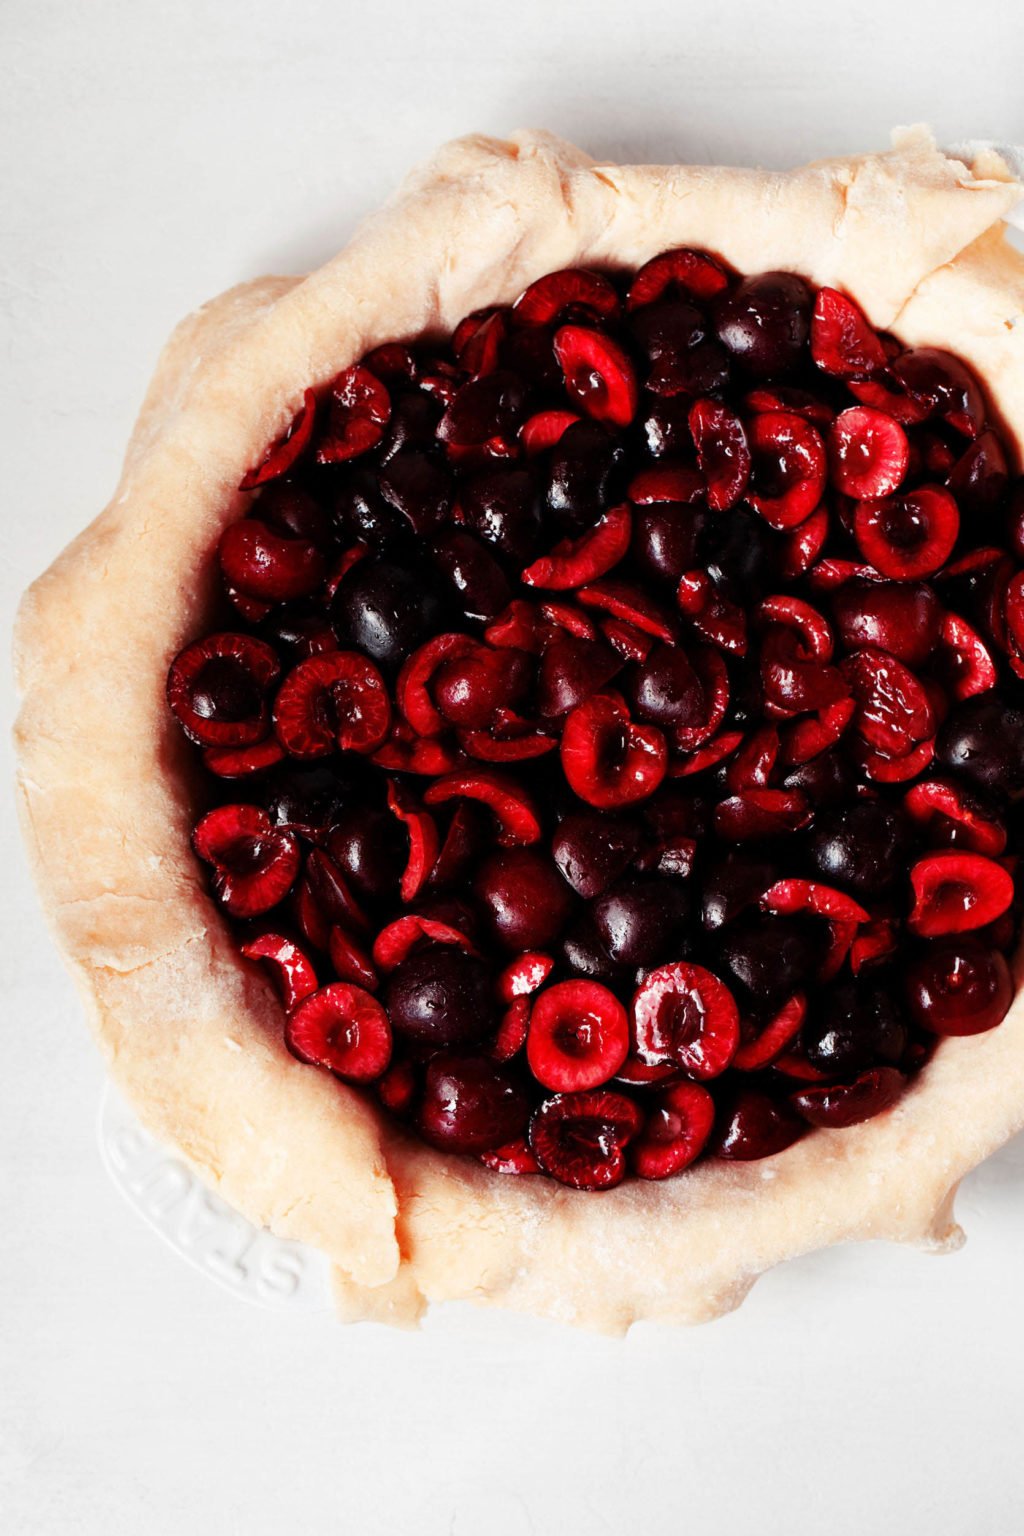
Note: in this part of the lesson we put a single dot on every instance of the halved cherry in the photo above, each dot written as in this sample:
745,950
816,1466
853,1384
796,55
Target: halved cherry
868,453
564,614
722,452
631,604
943,800
359,408
715,618
758,813
342,1028
333,895
418,755
805,740
894,711
396,1088
843,343
424,842
598,374
626,640
351,961
883,393
942,383
956,892
769,1040
512,1031
397,940
524,975
783,397
571,670
789,468
572,288
980,476
254,863
675,1132
515,749
413,689
477,341
665,482
908,537
752,1125
217,689
684,1014
608,759
514,811
239,762
513,1157
970,668
836,1105
574,562
263,564
578,1036
290,966
806,622
787,897
883,769
544,429
710,667
393,363
874,941
707,756
802,545
694,274
334,701
752,766
580,1138
288,449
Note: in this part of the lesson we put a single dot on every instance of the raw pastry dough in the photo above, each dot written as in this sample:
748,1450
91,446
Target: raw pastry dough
191,1033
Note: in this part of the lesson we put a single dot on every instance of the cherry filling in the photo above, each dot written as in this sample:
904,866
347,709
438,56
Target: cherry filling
612,731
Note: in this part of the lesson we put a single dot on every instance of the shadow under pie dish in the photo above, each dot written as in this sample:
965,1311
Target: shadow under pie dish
581,660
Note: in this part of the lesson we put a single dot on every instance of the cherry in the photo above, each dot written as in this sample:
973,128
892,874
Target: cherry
385,611
580,1138
770,956
470,1104
764,323
581,473
578,1036
592,849
837,1105
637,920
903,619
755,1125
862,847
855,1026
959,986
502,506
983,739
440,996
369,847
525,902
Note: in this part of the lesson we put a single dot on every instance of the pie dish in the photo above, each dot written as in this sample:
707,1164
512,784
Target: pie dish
109,786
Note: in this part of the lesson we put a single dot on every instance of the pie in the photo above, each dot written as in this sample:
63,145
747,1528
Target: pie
526,770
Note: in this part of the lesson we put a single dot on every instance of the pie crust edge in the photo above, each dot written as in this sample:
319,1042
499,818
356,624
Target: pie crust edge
192,1035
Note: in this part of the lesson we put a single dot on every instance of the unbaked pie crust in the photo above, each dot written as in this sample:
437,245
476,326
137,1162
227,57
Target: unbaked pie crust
191,1034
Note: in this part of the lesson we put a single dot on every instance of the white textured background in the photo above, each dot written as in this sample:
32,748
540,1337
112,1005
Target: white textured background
154,153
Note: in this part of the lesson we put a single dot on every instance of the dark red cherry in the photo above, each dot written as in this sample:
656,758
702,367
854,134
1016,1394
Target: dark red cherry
862,847
902,618
581,474
524,900
476,583
369,847
837,1105
959,986
666,690
764,323
641,920
665,539
983,739
470,1104
385,610
852,1026
732,884
441,996
772,957
593,848
502,506
753,1125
